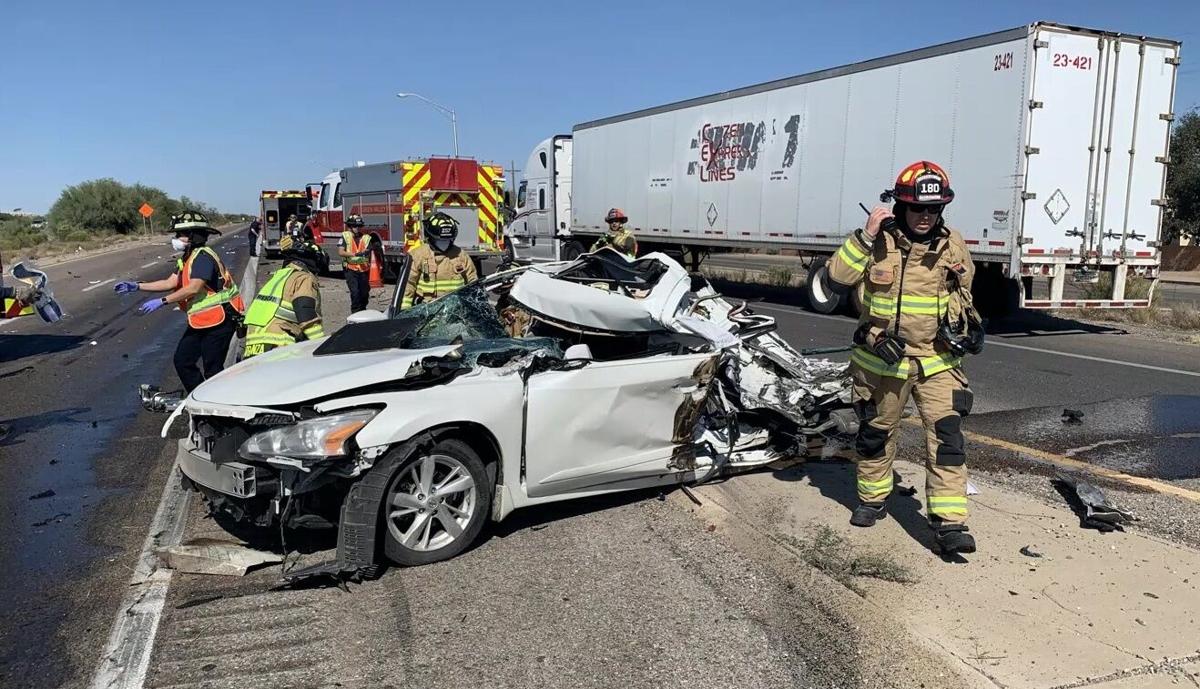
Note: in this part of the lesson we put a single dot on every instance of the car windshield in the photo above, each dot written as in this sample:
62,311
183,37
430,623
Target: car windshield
464,317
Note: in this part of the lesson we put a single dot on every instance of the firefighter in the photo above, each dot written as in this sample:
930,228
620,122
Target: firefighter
288,307
619,237
917,322
355,250
202,288
293,226
437,266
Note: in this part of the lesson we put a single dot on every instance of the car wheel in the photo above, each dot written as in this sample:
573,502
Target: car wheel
820,297
435,504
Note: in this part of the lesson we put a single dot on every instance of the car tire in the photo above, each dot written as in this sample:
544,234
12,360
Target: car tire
571,250
820,298
416,525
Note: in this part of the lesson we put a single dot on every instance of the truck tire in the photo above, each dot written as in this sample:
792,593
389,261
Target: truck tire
854,305
571,250
820,298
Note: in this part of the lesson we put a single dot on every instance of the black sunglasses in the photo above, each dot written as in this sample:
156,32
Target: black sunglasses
932,208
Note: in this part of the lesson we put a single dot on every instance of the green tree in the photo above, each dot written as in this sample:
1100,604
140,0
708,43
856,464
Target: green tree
1183,179
96,206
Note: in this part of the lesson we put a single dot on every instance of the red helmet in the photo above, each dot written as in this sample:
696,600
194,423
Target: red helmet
616,215
923,182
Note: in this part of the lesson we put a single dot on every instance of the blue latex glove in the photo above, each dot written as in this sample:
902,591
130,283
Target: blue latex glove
151,306
125,287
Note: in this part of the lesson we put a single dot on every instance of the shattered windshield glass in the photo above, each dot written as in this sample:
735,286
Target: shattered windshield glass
465,317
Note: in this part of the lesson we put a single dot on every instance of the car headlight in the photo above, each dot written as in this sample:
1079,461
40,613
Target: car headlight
324,436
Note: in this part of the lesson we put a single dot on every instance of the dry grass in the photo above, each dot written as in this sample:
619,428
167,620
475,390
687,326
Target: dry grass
836,556
779,276
1181,317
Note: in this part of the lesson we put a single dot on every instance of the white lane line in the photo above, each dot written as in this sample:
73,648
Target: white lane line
993,343
1148,367
89,288
126,657
152,263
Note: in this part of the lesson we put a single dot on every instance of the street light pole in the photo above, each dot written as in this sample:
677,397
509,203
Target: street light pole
442,109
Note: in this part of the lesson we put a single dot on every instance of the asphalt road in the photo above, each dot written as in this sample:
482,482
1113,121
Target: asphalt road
626,590
81,471
1171,294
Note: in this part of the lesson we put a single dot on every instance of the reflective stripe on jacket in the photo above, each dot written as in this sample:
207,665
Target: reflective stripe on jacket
433,275
272,320
905,283
209,310
355,262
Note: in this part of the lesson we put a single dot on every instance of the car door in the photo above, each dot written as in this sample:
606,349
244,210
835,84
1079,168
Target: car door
610,422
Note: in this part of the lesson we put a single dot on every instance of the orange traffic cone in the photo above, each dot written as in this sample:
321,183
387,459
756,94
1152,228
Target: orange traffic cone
375,276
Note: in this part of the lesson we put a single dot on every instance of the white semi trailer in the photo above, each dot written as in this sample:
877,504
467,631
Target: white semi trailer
1055,137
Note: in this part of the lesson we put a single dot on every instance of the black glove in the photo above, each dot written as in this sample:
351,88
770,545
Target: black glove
974,339
890,348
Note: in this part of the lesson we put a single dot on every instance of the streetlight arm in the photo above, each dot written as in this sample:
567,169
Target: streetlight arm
444,110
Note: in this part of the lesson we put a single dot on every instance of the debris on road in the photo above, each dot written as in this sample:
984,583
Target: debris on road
214,556
43,494
1072,416
972,489
1028,551
1097,511
155,400
57,519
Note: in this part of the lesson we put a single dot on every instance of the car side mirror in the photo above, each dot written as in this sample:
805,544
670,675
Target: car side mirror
578,352
367,316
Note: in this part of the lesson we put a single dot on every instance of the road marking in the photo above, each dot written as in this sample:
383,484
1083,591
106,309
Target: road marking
126,657
1071,463
993,343
98,284
152,263
1099,359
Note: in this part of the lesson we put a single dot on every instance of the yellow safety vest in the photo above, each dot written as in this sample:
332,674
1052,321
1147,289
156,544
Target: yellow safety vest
269,305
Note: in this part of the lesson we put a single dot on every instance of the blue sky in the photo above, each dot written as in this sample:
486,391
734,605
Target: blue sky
217,100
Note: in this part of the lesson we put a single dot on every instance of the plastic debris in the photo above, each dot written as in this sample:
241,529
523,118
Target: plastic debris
1097,511
214,556
971,489
1028,551
1072,416
43,494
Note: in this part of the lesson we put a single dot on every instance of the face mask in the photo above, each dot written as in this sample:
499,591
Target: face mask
442,244
178,244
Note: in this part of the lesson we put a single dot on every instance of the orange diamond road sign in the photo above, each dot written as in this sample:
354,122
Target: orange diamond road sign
146,210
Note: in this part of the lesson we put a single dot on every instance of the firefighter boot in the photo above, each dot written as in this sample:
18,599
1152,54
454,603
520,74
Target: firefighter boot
953,538
866,514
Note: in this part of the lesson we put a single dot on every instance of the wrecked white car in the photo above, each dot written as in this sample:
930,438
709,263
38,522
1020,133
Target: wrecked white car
409,430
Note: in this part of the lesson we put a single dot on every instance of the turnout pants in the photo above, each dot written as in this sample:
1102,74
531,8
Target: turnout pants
942,400
207,346
360,289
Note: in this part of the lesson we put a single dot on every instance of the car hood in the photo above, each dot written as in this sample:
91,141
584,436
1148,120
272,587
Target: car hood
291,375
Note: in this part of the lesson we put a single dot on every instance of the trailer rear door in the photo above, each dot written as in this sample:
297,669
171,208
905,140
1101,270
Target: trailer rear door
1097,129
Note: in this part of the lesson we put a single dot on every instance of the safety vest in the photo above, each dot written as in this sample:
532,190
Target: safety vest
929,365
356,263
624,241
269,305
209,310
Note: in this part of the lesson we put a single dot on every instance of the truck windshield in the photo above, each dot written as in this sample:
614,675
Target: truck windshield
324,201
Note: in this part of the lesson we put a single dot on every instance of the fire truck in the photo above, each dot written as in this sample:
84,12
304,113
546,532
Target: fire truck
276,207
395,198
326,199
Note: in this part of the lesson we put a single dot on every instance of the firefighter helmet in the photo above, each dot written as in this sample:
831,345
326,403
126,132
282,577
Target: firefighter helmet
616,215
303,252
189,222
923,182
441,230
354,221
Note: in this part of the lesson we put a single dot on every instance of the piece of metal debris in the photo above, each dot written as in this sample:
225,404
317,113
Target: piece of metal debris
1072,416
691,496
43,494
57,519
1030,552
213,556
1098,512
972,489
